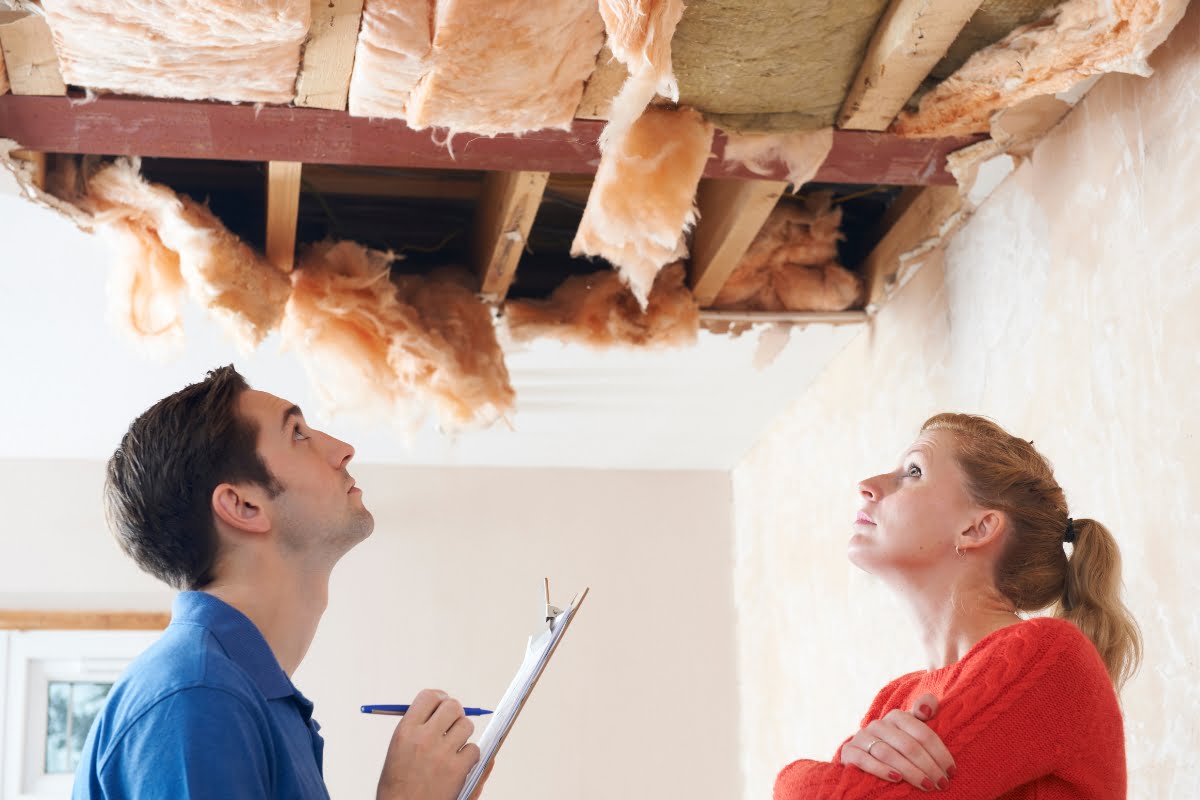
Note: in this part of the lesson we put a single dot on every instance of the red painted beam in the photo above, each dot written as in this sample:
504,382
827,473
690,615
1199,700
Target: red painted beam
180,129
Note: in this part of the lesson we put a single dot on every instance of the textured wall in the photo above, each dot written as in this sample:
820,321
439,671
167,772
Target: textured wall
1067,310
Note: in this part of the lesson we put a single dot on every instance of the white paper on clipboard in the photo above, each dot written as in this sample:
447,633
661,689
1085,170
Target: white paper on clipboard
537,654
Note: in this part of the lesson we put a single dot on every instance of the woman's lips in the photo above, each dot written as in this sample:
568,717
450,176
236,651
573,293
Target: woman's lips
863,519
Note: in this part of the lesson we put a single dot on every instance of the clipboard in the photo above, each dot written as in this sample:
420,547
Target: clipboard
538,651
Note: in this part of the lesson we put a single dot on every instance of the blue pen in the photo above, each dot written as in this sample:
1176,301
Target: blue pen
400,711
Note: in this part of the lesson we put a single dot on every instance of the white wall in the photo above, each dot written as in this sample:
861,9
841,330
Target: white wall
640,700
1066,309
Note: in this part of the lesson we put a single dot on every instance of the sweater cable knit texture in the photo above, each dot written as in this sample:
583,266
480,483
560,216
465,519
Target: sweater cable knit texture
1029,713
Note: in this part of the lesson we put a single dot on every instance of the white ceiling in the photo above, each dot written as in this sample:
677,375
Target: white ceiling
71,384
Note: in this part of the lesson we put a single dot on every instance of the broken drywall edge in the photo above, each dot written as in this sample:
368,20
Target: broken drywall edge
18,177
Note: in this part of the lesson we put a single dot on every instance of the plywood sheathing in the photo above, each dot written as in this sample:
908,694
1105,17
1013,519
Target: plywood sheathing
507,66
395,347
1071,43
642,202
324,80
188,49
28,54
164,239
599,311
391,56
792,263
602,86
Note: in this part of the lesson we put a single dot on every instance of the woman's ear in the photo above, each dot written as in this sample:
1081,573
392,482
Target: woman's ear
238,507
988,526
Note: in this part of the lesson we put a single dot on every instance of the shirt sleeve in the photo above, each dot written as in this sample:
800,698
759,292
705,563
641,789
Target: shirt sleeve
1006,721
197,743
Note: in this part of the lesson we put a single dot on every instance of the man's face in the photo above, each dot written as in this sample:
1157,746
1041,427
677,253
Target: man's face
319,511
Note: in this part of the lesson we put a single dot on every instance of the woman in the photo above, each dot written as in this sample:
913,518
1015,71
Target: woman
972,529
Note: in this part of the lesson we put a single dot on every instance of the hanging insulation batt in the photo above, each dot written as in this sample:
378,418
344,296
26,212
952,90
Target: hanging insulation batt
394,348
639,36
792,264
1071,43
158,231
599,311
803,152
392,54
219,49
507,66
642,202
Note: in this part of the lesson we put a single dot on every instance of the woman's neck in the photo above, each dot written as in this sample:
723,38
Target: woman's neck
954,616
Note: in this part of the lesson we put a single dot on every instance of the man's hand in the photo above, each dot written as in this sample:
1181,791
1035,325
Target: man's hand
903,747
429,757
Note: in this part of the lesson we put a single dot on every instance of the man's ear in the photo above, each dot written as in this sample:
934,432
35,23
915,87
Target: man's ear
987,528
239,506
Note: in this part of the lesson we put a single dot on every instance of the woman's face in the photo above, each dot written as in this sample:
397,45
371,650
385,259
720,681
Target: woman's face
911,517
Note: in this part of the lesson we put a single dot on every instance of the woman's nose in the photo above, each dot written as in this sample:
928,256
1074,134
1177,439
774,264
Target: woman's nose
869,489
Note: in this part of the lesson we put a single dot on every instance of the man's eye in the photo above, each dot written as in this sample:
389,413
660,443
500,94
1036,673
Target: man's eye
298,434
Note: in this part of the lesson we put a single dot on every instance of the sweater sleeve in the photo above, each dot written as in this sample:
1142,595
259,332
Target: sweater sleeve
1007,716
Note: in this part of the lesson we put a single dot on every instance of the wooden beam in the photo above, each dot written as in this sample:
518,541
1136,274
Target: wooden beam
731,214
21,620
183,129
283,205
324,80
29,56
923,221
509,202
912,36
378,182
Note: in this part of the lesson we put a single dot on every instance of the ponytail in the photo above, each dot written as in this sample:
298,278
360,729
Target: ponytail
1092,600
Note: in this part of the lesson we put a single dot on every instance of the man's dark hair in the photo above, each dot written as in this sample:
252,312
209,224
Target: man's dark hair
159,483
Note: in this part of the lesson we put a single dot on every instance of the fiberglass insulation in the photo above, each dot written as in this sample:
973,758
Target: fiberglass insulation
642,202
792,263
391,56
599,311
219,49
1070,44
371,342
166,241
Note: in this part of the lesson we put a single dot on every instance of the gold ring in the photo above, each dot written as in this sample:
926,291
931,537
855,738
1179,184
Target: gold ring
872,744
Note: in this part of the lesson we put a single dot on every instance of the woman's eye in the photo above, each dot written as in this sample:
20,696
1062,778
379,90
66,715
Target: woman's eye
913,471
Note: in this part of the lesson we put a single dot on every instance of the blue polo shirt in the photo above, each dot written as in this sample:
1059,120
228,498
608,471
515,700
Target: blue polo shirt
205,712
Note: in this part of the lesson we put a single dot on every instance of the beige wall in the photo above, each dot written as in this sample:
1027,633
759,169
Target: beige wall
1067,309
641,693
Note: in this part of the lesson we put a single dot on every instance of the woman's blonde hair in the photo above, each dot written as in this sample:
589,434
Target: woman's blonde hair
1034,572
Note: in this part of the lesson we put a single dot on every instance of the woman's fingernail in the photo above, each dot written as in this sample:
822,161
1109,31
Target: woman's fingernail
944,784
951,770
926,711
893,776
927,784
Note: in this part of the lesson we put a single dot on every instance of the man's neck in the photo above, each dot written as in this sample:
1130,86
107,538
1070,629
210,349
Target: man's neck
285,605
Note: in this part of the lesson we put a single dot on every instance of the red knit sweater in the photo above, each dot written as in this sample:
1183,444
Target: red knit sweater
1029,713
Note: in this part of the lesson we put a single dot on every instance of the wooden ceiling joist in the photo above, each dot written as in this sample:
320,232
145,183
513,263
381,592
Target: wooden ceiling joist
507,207
324,80
180,129
731,214
922,218
283,206
912,36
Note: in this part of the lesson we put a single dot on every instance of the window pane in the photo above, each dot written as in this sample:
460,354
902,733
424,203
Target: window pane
72,707
58,708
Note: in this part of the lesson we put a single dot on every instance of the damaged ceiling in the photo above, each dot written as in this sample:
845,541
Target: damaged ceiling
416,192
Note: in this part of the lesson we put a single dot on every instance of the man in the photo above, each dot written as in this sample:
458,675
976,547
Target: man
226,493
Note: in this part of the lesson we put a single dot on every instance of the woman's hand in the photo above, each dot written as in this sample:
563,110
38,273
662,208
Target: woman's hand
900,746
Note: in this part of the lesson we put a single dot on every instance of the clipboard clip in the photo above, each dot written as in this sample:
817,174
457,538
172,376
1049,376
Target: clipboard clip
552,610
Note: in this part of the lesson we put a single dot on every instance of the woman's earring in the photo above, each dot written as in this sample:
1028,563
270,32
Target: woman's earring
958,550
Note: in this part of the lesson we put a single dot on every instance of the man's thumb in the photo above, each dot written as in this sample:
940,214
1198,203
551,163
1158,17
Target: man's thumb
925,707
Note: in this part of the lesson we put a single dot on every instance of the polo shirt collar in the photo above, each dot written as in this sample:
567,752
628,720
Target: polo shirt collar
241,640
